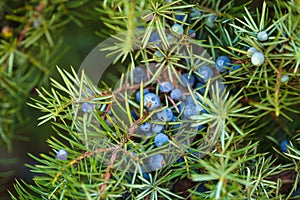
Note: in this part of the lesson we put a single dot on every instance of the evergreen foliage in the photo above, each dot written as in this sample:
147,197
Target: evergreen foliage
243,116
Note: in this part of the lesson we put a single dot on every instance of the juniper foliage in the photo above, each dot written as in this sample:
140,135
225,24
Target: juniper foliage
237,156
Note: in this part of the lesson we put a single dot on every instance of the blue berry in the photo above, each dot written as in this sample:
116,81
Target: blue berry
178,29
222,61
201,188
192,33
181,159
181,16
157,128
145,127
257,59
87,93
165,86
62,155
165,115
181,106
156,162
176,94
234,67
191,108
139,75
189,100
262,36
177,124
296,194
284,78
195,14
87,107
160,139
145,174
138,95
151,101
205,72
133,114
284,145
200,88
187,80
154,37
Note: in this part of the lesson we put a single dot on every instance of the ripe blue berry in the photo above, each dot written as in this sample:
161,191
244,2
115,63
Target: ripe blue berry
284,145
165,86
296,193
62,155
156,162
201,188
145,127
205,72
160,139
165,115
179,15
139,75
151,101
87,107
138,95
257,59
222,61
181,159
157,128
145,174
187,80
154,37
188,110
262,36
192,33
133,114
176,94
233,68
200,88
178,29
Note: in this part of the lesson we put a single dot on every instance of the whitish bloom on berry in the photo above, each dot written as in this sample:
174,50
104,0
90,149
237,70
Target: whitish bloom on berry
222,62
165,86
176,94
187,80
62,154
160,139
262,36
87,107
251,51
156,162
165,115
284,78
257,59
205,72
151,101
178,29
139,74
